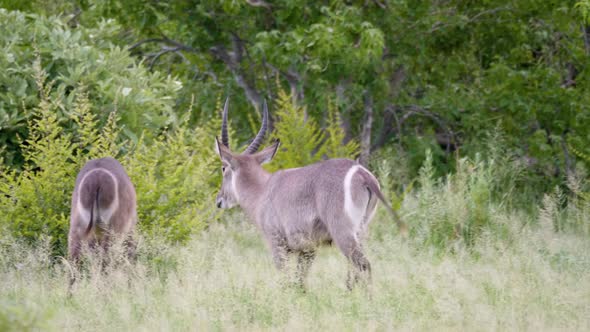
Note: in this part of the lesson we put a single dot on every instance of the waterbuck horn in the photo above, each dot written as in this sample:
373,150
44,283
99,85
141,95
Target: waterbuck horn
224,136
253,147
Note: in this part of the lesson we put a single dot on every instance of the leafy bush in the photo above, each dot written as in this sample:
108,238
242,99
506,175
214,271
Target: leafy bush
173,176
177,177
302,140
74,58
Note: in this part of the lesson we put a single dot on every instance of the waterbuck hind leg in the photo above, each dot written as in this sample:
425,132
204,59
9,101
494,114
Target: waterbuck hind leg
131,247
103,246
360,270
351,248
304,260
74,249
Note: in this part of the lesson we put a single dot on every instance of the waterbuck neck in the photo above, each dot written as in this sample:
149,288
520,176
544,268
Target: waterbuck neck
250,186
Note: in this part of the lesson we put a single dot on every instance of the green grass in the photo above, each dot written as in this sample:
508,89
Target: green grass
224,280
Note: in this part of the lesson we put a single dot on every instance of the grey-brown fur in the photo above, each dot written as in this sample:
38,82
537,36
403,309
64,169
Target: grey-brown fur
104,206
298,210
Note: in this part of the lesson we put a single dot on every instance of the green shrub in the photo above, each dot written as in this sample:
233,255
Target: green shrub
75,58
176,177
457,209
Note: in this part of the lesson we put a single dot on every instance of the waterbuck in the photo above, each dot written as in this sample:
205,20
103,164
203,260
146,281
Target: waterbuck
104,207
299,209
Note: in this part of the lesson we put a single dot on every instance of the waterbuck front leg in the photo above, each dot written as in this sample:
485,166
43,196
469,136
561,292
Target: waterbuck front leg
279,249
304,261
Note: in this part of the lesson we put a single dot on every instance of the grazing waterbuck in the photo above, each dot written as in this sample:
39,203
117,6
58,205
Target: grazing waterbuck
299,209
104,207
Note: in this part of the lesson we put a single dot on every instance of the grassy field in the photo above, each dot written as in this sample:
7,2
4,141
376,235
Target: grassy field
224,280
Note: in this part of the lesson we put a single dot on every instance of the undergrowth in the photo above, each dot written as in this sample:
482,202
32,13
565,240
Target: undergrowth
223,278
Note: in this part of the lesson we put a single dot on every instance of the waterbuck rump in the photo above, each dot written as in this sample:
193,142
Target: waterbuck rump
104,208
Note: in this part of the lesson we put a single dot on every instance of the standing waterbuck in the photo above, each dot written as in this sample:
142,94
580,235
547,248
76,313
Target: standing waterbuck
104,207
299,209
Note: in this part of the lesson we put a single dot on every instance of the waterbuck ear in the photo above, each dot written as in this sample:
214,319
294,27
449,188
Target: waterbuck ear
268,153
223,152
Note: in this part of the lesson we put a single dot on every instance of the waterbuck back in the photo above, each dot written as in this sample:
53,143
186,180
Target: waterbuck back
104,207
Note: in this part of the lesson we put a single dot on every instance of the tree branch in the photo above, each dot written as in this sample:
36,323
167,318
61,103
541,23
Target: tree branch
233,62
145,41
439,25
450,141
390,119
586,33
293,79
346,107
157,55
438,120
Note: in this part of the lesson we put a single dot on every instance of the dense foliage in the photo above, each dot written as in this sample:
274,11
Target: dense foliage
75,59
488,100
439,75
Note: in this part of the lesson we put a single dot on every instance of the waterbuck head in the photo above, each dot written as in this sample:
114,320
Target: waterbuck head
242,173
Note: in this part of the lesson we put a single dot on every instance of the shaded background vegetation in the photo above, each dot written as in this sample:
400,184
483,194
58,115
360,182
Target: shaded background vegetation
492,96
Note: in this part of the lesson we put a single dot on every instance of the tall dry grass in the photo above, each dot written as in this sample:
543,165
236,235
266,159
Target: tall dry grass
224,280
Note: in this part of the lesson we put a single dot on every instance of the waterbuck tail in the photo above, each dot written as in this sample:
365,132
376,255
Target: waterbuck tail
374,188
94,214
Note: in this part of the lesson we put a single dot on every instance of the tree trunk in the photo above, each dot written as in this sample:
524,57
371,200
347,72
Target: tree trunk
366,132
344,111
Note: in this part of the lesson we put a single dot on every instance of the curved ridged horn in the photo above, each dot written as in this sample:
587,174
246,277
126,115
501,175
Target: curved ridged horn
253,147
224,136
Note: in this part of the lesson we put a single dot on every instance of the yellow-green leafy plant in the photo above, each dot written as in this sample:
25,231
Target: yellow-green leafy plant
176,179
303,142
35,201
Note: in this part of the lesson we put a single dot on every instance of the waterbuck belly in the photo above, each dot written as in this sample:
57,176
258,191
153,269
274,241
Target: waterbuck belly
311,237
